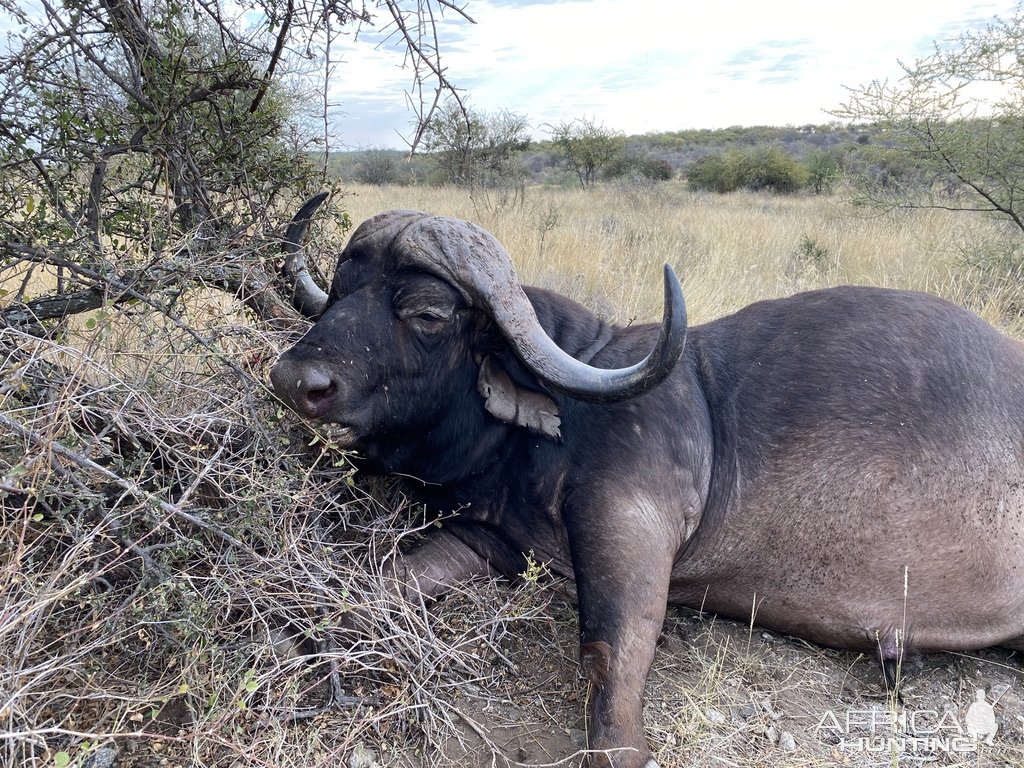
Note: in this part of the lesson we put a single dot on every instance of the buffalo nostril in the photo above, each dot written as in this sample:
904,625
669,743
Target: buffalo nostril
322,393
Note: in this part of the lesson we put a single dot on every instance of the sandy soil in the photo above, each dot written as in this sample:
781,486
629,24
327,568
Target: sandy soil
720,694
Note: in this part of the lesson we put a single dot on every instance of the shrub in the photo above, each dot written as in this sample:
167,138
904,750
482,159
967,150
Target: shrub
823,169
769,168
810,254
637,166
757,168
378,167
710,174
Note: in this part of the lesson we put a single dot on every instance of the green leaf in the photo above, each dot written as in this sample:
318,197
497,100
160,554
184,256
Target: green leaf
62,759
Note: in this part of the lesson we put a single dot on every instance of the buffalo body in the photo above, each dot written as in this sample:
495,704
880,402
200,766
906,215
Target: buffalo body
845,465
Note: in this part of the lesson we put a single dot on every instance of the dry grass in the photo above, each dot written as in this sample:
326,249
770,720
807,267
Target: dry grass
178,556
605,247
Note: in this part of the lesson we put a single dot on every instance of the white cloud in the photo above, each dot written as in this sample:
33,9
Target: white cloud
657,65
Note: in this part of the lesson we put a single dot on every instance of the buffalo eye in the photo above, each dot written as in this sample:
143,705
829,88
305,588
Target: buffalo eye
425,304
428,317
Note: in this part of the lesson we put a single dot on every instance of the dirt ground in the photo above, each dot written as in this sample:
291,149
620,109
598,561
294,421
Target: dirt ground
722,695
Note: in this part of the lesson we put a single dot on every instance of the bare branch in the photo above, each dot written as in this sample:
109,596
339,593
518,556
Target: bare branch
46,442
275,56
249,284
426,59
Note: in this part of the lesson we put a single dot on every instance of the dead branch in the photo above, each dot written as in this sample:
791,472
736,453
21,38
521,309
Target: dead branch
47,443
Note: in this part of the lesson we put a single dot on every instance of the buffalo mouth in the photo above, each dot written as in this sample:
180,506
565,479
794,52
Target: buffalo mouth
317,406
341,436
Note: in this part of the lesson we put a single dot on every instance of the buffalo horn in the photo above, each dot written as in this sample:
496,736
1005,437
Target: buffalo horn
307,297
472,260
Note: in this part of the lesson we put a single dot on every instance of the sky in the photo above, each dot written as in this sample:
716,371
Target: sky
643,66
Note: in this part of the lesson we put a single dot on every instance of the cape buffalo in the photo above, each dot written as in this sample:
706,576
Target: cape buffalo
850,461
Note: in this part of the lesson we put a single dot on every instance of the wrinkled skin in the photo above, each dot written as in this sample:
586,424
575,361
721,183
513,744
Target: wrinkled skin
814,456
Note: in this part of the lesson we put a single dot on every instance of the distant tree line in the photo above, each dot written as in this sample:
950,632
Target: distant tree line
466,147
491,150
496,149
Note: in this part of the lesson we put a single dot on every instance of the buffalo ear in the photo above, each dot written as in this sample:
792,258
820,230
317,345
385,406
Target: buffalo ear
513,404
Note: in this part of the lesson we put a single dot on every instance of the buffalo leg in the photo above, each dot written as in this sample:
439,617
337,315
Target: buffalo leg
432,568
622,582
422,574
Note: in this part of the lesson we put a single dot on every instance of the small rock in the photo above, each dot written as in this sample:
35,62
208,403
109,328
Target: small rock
772,734
768,637
766,707
362,757
786,742
578,738
714,716
744,712
104,757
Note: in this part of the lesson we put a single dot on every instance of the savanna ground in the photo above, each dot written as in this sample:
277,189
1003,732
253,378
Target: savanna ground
177,551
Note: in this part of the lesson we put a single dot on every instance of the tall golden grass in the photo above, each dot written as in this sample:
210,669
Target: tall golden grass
605,246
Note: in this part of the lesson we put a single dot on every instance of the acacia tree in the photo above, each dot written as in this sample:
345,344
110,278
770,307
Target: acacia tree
956,118
474,148
586,147
142,144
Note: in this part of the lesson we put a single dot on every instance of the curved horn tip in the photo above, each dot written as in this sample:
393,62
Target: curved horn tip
300,221
675,302
579,380
305,213
316,199
307,296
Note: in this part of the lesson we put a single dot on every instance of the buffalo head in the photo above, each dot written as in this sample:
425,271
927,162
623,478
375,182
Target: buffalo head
412,343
